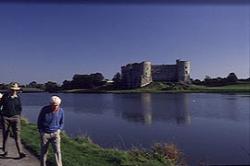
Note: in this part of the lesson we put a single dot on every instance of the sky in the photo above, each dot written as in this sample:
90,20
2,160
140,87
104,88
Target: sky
52,42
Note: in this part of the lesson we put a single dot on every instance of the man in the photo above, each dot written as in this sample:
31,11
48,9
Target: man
1,119
11,117
50,122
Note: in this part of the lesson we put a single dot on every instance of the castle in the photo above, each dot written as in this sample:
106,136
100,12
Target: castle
141,74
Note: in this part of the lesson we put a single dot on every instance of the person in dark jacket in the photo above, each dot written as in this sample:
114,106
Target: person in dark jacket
11,118
50,123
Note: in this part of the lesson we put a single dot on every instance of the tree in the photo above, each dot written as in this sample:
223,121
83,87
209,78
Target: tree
32,84
52,87
87,81
3,86
197,82
66,85
232,78
117,80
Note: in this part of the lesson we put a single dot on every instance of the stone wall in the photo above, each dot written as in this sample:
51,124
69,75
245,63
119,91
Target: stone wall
164,73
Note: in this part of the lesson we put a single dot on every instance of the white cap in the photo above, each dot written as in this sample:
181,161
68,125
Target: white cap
55,100
1,95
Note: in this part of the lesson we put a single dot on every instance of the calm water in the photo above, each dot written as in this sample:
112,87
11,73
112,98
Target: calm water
211,128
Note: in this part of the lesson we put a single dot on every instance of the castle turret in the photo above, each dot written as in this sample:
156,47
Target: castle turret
136,75
146,77
183,71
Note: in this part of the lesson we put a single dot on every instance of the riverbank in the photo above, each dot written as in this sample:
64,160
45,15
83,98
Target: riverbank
159,87
82,152
27,90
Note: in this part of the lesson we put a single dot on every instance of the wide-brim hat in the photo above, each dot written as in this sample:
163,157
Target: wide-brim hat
14,86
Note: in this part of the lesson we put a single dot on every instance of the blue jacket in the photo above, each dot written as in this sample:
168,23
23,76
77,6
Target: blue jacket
49,121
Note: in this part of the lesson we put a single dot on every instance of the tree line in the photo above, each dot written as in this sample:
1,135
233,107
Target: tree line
97,81
79,81
219,81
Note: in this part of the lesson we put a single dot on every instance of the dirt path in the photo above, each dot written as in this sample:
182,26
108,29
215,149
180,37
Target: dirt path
12,158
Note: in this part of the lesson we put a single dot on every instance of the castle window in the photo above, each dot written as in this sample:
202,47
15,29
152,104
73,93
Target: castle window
186,72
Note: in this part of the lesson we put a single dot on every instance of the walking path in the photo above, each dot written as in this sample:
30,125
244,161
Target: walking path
12,158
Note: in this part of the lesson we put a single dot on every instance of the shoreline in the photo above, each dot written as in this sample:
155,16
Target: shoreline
154,88
83,91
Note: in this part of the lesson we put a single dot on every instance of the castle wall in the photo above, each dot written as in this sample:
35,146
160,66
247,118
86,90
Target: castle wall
164,73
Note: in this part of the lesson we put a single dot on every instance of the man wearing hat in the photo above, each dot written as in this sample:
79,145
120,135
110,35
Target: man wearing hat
11,114
50,122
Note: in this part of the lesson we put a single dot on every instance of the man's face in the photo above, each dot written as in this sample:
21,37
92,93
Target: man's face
13,92
54,107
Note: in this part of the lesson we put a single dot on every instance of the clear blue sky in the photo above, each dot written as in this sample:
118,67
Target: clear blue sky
43,42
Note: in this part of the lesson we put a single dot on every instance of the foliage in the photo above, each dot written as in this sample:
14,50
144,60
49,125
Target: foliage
3,86
169,151
52,87
84,81
35,85
232,78
208,81
117,80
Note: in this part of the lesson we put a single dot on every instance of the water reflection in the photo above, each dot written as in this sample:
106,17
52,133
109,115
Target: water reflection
146,102
147,108
182,115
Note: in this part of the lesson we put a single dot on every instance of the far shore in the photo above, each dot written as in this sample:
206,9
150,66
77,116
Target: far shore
155,88
159,88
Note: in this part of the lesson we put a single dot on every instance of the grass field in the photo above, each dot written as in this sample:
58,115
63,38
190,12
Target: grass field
159,87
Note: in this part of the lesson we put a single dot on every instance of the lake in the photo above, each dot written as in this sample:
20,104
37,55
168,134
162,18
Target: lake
210,128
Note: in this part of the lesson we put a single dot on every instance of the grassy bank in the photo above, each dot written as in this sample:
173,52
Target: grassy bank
82,152
26,90
159,87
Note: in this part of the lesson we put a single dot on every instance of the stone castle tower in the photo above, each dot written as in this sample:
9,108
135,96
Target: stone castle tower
141,74
183,71
136,75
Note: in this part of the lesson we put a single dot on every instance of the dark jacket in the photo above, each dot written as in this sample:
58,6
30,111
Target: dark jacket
10,106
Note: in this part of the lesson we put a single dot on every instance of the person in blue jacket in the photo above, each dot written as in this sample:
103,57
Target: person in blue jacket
50,123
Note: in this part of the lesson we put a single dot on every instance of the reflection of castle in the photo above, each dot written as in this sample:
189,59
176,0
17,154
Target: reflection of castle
141,74
147,108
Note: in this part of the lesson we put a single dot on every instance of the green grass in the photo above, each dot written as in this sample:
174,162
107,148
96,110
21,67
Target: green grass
81,152
159,87
236,88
